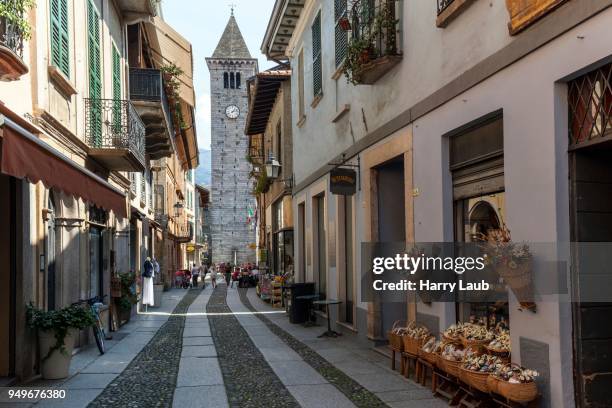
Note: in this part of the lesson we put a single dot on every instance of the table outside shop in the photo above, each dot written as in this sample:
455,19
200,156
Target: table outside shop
326,303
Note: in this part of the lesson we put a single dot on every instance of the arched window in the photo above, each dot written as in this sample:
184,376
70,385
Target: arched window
232,81
225,80
237,80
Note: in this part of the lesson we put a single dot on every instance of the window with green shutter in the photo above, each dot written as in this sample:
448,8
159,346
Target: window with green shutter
60,37
317,67
95,73
116,92
341,35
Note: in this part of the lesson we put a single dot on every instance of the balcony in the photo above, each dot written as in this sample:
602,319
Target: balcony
374,47
115,134
183,233
148,96
13,30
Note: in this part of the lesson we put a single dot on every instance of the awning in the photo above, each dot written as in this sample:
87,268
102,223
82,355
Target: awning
25,156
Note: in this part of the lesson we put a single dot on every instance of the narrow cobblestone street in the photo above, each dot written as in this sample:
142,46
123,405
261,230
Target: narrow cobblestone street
227,348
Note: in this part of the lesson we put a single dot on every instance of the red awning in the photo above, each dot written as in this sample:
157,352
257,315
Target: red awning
25,156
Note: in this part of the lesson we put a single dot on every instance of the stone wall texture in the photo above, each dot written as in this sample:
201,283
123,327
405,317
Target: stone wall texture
231,188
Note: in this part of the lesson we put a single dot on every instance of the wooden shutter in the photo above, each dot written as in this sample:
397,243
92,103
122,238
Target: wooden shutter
60,39
95,73
523,13
317,67
341,36
117,92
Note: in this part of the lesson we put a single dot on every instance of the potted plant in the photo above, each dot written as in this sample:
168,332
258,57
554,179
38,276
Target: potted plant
57,330
128,296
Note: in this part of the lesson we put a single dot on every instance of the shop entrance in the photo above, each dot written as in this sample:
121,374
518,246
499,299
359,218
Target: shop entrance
591,222
391,211
590,168
8,269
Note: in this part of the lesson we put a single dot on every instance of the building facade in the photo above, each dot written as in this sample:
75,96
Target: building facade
79,141
268,127
455,113
230,66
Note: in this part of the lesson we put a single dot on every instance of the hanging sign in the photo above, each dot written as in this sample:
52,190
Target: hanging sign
190,248
343,181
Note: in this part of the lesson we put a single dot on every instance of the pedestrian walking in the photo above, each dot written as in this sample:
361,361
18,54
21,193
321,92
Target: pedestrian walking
147,283
213,277
228,274
195,274
203,272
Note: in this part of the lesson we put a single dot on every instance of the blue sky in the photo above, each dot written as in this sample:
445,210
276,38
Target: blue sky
202,23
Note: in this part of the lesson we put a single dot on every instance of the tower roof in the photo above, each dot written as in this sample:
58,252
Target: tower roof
232,45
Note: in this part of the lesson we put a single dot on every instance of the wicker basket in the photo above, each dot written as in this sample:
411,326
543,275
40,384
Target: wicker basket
470,343
451,367
504,356
450,340
412,345
395,340
431,358
475,379
493,384
521,393
518,277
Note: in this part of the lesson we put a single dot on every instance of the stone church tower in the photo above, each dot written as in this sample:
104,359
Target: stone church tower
230,66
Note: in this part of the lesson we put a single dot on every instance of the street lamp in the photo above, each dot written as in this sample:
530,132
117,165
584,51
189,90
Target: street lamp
272,167
178,209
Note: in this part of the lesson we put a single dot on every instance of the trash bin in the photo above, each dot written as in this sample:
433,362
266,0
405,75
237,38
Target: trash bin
298,308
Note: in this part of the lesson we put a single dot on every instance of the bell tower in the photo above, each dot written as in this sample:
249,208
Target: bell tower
230,66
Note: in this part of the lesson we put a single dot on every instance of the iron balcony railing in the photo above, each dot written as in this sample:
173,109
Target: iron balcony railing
114,124
376,22
147,84
12,28
443,5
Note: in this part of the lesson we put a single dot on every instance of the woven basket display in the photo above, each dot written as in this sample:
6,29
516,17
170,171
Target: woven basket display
395,340
475,379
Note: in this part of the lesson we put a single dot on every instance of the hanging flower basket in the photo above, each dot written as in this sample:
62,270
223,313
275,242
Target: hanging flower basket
344,24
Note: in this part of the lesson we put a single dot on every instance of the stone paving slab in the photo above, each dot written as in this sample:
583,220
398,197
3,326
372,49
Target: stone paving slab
198,351
194,372
196,332
197,341
212,396
106,367
296,373
319,396
272,354
86,381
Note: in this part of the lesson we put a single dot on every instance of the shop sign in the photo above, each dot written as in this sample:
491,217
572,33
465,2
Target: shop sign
190,248
343,181
252,246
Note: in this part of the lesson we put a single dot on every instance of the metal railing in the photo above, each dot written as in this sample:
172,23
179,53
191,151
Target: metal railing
114,124
11,32
147,84
376,22
443,5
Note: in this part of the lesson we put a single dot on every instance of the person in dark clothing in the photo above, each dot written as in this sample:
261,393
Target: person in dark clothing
228,274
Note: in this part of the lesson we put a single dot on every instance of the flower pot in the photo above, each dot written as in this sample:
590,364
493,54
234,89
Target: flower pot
125,315
57,366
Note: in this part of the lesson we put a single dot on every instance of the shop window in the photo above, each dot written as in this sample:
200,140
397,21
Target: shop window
477,166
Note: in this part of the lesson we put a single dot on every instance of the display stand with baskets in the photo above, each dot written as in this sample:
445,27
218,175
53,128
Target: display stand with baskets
395,343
